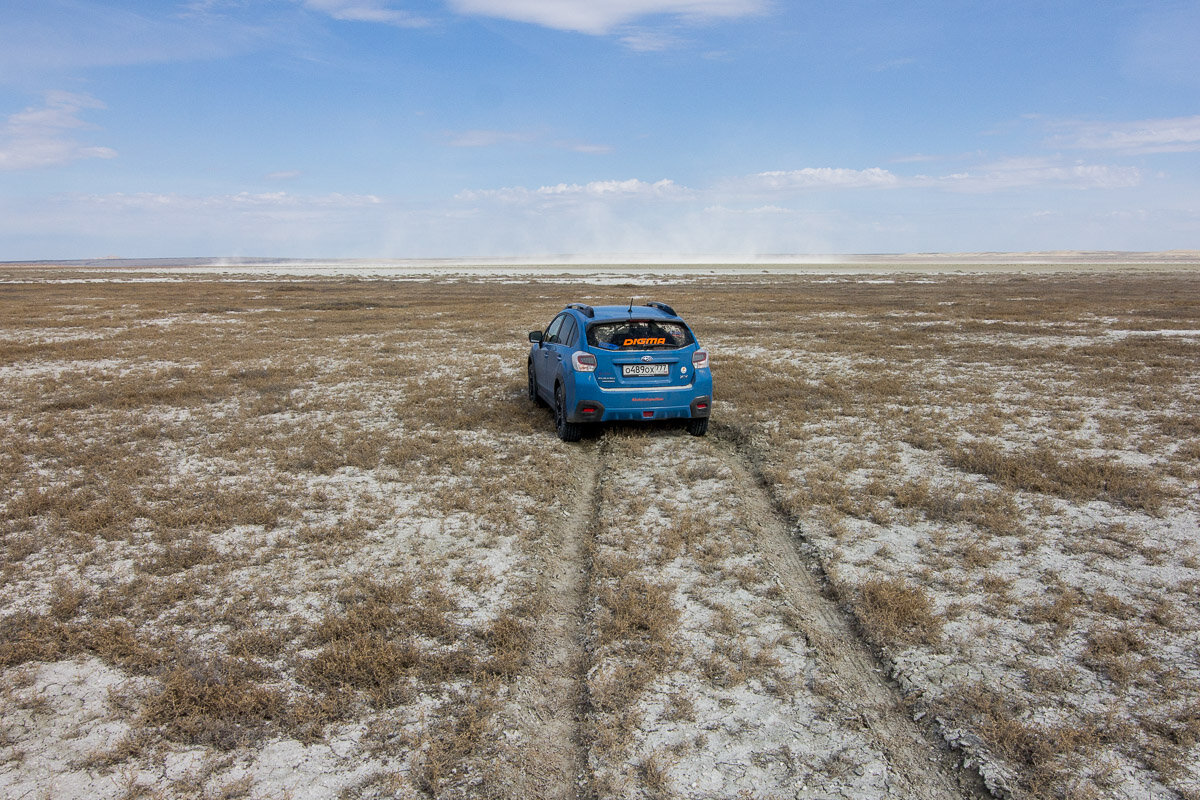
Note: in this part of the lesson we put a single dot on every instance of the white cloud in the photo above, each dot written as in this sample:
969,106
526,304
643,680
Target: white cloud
823,178
602,16
266,202
367,11
585,147
1029,172
746,194
38,137
595,190
1171,135
626,188
645,41
997,176
486,138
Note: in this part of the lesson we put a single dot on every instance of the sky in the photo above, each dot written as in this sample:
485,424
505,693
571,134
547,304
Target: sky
738,129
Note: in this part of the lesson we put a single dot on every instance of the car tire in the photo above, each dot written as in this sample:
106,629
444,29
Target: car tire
698,426
567,431
533,392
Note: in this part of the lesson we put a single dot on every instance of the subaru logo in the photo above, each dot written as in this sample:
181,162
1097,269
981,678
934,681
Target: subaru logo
647,358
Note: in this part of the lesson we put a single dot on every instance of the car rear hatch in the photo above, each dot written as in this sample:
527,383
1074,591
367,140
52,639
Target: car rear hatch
635,354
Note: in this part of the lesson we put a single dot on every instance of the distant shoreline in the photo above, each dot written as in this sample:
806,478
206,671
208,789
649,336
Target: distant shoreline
983,262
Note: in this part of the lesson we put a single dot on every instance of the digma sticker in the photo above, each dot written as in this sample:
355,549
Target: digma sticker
633,342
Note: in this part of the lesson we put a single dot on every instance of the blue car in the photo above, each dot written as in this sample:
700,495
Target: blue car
619,363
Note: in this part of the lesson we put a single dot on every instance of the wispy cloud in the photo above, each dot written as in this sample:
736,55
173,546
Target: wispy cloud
40,136
600,17
1036,172
367,11
777,185
587,148
486,138
67,35
646,41
493,138
632,188
823,178
266,202
987,177
1171,135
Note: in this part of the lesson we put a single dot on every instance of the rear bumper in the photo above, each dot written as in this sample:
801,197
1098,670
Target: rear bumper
652,404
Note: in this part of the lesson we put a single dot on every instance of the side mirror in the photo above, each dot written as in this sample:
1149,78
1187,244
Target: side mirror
535,337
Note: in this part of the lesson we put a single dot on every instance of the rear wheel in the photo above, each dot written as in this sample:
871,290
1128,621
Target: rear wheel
567,431
698,426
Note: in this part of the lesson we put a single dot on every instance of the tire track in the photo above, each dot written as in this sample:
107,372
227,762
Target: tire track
551,702
923,766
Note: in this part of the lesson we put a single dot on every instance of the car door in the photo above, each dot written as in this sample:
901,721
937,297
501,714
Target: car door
549,355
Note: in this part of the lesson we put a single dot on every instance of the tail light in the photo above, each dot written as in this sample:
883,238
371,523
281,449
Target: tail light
583,362
700,359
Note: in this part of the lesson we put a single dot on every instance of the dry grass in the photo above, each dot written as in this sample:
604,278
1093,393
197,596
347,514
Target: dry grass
1069,476
275,506
894,611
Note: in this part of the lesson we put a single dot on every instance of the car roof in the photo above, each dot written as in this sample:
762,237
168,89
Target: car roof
609,313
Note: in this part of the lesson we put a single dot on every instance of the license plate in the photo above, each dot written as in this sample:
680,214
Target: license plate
629,370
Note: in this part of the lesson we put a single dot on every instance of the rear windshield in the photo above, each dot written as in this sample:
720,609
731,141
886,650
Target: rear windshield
639,334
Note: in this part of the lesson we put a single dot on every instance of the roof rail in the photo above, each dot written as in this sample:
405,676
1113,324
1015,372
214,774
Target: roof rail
587,310
664,308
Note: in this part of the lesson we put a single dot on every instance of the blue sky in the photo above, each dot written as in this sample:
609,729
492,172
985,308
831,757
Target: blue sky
626,128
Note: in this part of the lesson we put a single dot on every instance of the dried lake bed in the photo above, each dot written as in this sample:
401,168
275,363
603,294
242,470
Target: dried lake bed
270,534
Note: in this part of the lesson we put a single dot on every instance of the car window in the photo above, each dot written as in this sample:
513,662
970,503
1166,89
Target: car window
567,334
639,334
552,332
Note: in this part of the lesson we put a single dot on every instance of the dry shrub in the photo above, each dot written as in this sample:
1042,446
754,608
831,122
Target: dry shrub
375,607
118,643
213,703
367,662
1050,471
256,643
347,529
67,600
459,735
1055,680
326,449
180,556
138,392
1113,652
638,611
28,637
390,634
1060,610
33,637
1049,756
993,511
655,772
211,506
507,639
893,611
688,531
612,691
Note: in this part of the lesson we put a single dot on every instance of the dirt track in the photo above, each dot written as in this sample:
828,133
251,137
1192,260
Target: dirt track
851,735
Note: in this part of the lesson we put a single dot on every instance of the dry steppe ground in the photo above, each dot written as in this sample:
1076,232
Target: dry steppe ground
308,538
